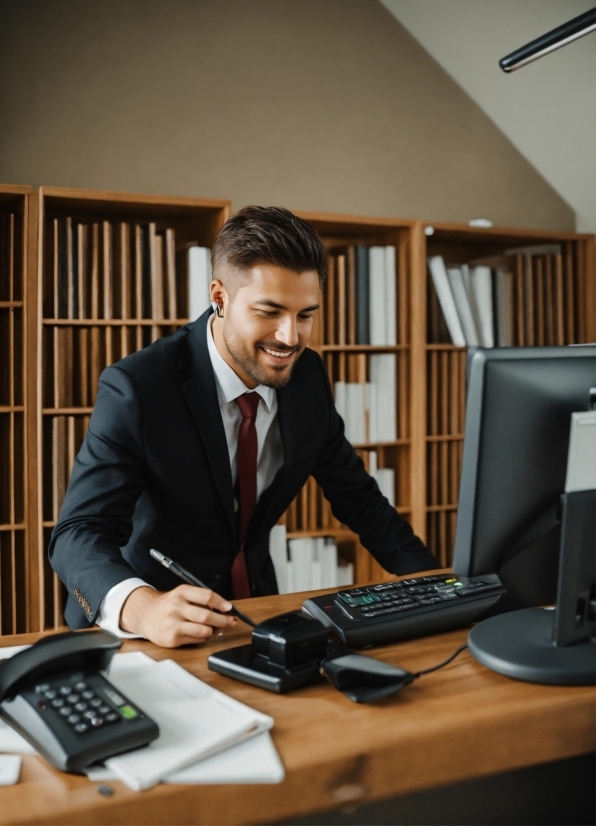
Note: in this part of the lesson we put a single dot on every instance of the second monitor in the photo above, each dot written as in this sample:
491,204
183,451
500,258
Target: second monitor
518,414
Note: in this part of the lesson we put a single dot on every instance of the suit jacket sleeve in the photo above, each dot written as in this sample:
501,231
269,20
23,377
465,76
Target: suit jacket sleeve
106,482
356,501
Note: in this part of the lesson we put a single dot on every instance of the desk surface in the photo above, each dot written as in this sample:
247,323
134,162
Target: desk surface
455,724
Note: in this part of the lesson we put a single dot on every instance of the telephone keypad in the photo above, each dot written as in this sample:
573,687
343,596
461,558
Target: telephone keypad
79,705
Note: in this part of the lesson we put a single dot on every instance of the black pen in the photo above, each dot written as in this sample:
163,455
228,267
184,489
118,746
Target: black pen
189,578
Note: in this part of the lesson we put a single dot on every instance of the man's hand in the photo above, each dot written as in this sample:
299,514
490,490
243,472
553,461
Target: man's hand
177,617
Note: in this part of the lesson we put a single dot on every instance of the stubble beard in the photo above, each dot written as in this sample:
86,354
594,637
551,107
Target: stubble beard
237,349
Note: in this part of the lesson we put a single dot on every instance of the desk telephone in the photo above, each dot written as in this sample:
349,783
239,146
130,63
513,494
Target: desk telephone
54,695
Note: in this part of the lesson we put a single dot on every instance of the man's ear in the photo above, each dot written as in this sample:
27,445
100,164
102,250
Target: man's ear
217,292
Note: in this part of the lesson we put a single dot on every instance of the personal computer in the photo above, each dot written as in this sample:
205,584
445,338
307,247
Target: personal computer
520,403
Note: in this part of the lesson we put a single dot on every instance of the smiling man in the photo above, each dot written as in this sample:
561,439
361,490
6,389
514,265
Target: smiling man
198,444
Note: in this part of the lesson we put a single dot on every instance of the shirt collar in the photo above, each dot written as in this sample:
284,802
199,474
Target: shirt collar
229,385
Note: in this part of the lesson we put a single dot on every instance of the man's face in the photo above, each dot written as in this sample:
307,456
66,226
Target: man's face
268,322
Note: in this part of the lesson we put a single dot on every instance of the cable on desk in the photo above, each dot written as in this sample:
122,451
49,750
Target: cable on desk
441,665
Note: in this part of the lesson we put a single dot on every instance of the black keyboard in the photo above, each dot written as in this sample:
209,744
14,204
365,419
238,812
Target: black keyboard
405,608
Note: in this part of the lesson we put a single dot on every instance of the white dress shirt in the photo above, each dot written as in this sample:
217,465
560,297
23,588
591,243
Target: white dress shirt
269,460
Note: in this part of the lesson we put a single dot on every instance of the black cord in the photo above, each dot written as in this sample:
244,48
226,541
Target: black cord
441,665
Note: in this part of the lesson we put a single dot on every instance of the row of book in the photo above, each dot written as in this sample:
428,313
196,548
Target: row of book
440,535
360,296
11,270
62,440
12,468
307,563
523,297
11,355
443,472
13,596
446,392
369,409
123,270
310,511
74,357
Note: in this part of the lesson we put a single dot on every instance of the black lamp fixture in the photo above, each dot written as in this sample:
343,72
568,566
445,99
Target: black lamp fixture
578,27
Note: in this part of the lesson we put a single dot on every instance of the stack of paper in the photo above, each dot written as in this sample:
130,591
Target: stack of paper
205,736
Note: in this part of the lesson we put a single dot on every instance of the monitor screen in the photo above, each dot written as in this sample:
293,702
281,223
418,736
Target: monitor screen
518,417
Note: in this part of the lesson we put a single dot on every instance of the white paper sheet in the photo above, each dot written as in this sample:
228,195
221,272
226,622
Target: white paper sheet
195,721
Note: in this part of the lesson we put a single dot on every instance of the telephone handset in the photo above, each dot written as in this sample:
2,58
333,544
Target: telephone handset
54,695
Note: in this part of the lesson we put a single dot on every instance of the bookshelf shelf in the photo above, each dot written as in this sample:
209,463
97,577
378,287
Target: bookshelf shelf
361,348
115,322
10,305
67,411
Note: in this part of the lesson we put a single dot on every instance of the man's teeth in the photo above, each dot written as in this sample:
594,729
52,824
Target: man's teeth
278,353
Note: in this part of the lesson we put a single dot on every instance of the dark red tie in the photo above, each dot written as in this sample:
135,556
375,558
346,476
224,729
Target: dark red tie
247,486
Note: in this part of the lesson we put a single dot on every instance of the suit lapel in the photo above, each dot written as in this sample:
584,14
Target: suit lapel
200,393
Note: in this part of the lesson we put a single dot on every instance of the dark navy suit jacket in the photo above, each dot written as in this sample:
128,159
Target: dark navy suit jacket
154,472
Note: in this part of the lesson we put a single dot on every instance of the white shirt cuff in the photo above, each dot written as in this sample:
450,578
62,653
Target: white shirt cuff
108,616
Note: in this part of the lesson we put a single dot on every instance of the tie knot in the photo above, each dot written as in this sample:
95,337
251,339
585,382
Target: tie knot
248,404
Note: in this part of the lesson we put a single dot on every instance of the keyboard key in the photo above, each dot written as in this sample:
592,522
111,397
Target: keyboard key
57,703
65,690
397,608
49,694
89,715
42,688
88,694
97,722
430,601
80,706
95,702
111,717
448,596
81,728
103,710
65,711
74,718
80,686
73,698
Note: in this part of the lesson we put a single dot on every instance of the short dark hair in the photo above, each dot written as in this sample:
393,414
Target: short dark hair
270,235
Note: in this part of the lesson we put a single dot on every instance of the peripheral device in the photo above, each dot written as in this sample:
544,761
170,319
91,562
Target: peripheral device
557,646
406,608
518,413
54,695
285,653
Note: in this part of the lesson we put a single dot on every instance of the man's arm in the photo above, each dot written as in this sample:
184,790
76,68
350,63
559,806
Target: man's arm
356,501
96,520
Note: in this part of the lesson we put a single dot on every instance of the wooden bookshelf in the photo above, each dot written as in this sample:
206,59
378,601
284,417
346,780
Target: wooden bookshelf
554,303
14,570
310,514
107,276
70,307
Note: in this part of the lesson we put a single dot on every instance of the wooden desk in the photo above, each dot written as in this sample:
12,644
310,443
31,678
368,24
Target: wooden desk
459,723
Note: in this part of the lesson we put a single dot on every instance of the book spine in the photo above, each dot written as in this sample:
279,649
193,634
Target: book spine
441,283
341,299
390,297
362,296
377,286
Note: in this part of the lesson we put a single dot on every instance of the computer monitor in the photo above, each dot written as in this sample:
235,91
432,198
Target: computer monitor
518,414
556,645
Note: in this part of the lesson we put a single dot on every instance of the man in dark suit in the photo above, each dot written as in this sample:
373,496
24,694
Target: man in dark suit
198,443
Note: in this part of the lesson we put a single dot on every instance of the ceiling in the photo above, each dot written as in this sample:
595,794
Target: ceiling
547,109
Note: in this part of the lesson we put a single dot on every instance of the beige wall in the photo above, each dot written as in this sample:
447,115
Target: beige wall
318,104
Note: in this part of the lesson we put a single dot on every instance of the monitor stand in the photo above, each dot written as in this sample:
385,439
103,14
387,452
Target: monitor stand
520,644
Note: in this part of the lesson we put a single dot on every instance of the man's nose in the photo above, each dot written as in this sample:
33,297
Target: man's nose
287,332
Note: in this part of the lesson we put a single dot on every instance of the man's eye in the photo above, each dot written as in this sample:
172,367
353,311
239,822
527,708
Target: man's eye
305,317
267,313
